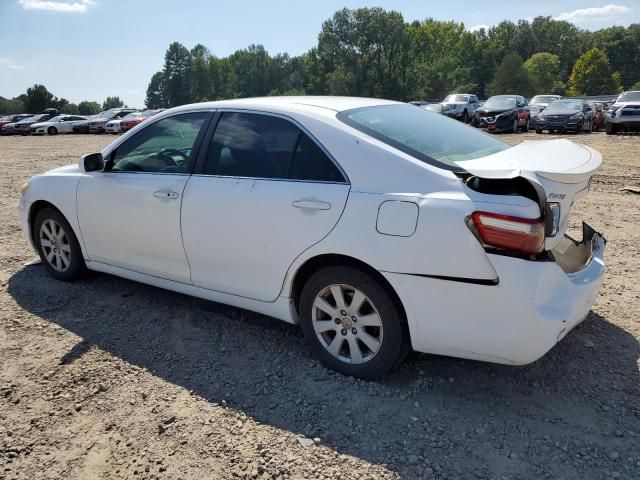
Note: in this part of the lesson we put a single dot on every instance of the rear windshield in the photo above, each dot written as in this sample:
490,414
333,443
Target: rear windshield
425,135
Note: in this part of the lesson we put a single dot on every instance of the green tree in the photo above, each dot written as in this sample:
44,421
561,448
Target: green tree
591,75
635,86
88,108
38,98
11,106
223,76
544,72
200,73
112,102
511,78
156,91
362,52
178,81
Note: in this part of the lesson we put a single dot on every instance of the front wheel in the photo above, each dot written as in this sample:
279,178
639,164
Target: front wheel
527,125
514,129
52,131
610,128
579,128
351,323
465,117
57,245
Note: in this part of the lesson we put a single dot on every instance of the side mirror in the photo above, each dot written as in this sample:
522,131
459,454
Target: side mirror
92,162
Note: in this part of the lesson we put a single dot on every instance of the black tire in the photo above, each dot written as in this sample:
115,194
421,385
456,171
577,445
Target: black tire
610,128
538,130
394,345
52,131
526,126
465,117
579,128
76,264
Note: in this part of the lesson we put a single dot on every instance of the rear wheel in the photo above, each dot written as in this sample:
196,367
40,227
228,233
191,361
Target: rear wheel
351,323
57,245
52,131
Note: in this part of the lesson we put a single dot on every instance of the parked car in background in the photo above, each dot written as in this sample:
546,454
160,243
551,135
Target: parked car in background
13,118
503,113
56,125
566,115
624,113
598,115
23,127
96,123
537,104
460,106
113,126
367,271
133,119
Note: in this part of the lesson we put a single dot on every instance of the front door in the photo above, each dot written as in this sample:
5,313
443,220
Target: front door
129,214
266,193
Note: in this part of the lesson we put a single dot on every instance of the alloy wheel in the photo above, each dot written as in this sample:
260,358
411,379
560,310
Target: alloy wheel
347,324
55,245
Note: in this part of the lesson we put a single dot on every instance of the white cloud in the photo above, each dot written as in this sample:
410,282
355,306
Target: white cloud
475,28
605,13
77,6
7,62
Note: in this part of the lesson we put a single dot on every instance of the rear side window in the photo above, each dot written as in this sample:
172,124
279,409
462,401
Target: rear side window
264,146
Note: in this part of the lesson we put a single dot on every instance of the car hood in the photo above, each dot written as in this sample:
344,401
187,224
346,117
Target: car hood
560,171
42,124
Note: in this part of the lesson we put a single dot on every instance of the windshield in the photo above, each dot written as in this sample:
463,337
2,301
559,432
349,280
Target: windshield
427,136
456,98
56,119
543,99
629,97
132,115
564,105
106,114
500,102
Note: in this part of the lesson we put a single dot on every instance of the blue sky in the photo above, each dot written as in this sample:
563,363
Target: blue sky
88,49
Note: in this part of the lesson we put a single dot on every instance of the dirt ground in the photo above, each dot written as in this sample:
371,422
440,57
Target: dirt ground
107,378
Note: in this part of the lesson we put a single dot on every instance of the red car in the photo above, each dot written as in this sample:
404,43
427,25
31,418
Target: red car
133,119
598,115
13,118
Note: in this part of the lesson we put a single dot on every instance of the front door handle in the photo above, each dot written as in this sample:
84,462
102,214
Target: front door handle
166,194
312,204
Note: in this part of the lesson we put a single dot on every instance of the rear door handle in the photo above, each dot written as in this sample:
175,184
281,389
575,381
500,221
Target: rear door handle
166,194
312,204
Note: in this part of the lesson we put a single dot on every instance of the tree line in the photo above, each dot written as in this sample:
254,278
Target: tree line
37,98
375,53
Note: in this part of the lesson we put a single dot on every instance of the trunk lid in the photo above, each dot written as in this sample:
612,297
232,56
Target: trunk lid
559,170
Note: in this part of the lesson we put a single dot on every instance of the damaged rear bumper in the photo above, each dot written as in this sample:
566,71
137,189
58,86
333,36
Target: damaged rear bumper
533,306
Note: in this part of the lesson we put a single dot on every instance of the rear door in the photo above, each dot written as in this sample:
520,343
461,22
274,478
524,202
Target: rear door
265,192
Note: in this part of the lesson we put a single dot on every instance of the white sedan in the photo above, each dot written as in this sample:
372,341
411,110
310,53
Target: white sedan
56,125
375,225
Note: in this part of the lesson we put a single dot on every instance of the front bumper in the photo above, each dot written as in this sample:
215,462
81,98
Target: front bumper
625,120
534,305
564,125
499,123
453,114
98,128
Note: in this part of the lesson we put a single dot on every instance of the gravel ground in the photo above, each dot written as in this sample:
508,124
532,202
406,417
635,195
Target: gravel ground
107,378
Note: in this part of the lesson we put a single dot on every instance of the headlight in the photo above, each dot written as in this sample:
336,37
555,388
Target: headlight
575,115
541,116
24,187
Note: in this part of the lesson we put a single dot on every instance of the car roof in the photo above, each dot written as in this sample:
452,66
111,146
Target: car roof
309,103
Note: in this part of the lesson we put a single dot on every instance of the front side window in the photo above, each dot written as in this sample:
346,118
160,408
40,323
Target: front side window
264,146
163,147
424,135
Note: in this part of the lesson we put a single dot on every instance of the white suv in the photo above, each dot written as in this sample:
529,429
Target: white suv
624,114
460,106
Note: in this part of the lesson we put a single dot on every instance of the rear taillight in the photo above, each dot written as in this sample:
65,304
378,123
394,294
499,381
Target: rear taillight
510,233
